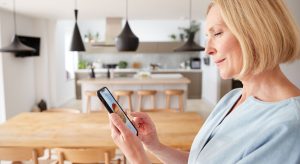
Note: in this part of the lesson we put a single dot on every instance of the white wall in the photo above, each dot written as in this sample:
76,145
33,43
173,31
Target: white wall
2,96
292,70
18,73
41,63
62,90
23,80
146,30
158,30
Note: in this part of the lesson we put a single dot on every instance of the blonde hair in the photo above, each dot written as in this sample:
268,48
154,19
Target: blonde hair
265,30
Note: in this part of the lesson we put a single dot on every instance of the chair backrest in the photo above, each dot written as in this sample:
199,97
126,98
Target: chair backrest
21,154
89,95
174,92
67,110
85,155
141,94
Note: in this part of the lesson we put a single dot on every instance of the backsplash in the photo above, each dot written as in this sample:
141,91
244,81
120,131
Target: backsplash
164,60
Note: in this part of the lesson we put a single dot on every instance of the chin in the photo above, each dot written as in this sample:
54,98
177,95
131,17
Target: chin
225,75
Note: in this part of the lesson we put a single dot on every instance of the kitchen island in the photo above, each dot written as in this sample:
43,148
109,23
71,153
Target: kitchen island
194,75
132,83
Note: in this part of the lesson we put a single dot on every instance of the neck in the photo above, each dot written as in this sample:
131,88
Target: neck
270,86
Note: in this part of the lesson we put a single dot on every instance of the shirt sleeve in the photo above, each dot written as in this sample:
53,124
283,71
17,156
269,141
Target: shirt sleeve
276,144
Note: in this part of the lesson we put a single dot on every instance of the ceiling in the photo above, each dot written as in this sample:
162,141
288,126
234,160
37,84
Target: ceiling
100,9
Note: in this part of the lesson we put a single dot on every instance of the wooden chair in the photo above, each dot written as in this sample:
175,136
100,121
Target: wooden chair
21,154
143,93
125,93
89,95
86,155
174,92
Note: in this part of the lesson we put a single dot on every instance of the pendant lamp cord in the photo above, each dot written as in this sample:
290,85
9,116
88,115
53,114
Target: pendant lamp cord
14,13
190,13
126,9
76,11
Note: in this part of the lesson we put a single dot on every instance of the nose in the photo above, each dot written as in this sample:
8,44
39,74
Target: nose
209,48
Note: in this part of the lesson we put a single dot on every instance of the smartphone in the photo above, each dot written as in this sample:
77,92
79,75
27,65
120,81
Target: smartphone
113,106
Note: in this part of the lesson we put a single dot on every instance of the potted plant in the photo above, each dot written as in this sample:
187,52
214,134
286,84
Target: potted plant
191,30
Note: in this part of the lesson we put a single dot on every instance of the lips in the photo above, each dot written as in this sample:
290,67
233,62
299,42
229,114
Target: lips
219,61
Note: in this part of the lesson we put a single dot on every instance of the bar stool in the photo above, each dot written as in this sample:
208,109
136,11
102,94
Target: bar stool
141,94
126,93
89,95
174,92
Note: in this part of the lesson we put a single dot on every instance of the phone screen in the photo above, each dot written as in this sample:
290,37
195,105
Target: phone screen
113,106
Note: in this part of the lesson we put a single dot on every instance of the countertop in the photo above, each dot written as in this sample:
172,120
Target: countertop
134,81
132,70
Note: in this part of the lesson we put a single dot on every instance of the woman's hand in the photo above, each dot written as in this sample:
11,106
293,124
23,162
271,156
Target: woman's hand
146,130
148,135
130,144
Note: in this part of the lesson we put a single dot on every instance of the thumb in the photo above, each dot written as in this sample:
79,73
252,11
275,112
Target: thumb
119,124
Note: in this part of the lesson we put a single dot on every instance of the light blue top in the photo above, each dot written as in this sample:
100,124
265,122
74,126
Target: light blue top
256,132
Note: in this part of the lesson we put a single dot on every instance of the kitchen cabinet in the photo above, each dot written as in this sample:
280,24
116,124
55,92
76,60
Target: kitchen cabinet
195,87
144,47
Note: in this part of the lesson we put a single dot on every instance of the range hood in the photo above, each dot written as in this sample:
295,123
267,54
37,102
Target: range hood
113,28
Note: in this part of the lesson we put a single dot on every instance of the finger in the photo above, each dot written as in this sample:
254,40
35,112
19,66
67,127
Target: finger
136,123
139,115
114,129
119,124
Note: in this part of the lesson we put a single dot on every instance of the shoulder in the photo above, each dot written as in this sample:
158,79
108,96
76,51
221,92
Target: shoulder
294,108
279,134
278,143
296,103
286,111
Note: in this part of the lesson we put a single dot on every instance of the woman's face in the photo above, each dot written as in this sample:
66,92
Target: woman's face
222,45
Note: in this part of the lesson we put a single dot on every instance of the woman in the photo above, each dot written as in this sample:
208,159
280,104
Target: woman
260,123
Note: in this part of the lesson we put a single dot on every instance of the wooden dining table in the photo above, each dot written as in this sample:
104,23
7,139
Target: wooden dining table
71,130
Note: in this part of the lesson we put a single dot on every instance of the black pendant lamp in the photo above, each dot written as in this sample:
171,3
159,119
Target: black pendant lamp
16,45
190,44
127,40
76,43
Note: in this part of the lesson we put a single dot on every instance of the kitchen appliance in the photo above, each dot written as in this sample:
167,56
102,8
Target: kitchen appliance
195,63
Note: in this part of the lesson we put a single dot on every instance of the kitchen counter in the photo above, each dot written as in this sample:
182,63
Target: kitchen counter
194,75
132,70
135,84
134,81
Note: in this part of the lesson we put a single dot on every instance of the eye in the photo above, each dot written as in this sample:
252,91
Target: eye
218,34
